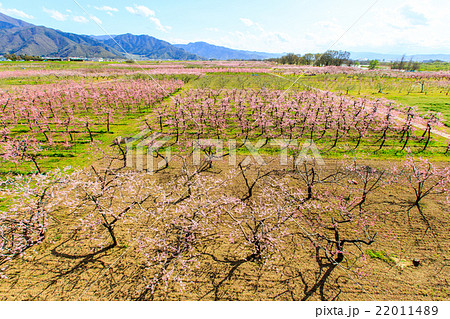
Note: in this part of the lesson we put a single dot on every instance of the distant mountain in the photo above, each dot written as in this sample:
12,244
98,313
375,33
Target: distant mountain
42,41
148,47
7,22
103,37
398,57
426,57
20,37
210,51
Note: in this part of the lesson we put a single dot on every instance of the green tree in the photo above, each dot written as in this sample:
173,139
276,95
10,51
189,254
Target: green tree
412,66
11,57
373,64
290,58
332,57
307,59
399,65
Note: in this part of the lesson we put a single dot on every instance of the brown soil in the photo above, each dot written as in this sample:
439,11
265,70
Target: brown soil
46,272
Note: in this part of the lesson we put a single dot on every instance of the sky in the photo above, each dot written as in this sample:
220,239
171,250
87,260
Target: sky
298,26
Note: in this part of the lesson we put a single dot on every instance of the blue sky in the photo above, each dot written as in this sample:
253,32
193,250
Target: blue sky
389,26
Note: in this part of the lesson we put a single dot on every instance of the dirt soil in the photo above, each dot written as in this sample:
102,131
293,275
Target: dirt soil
51,270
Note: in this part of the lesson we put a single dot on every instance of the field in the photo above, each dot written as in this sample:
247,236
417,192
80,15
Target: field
223,181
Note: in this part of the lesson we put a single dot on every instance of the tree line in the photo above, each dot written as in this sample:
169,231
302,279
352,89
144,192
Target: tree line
328,58
403,65
22,57
338,58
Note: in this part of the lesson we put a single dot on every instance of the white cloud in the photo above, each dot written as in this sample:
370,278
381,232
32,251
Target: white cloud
159,26
149,14
54,14
109,10
411,27
247,22
141,11
415,26
95,19
80,19
414,17
255,38
402,26
250,23
15,12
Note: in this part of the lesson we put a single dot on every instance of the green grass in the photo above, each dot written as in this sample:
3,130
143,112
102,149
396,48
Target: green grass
243,81
404,91
407,92
429,102
435,66
6,83
3,204
81,154
381,255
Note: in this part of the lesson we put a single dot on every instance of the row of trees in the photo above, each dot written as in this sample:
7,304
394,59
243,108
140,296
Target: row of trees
403,65
325,117
57,116
257,231
328,58
338,58
22,57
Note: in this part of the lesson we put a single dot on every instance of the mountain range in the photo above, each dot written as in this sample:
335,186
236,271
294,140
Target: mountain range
398,57
210,51
147,47
7,22
20,37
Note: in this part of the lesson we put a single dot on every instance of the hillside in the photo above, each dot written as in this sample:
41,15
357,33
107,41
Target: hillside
20,37
210,51
7,22
148,47
42,41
